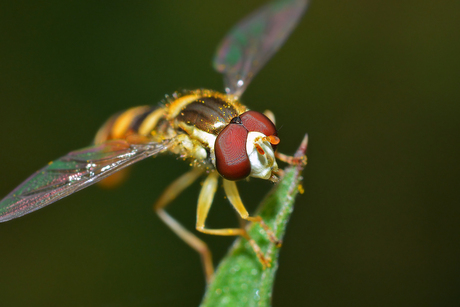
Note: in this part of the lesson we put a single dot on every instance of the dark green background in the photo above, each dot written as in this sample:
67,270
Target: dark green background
374,83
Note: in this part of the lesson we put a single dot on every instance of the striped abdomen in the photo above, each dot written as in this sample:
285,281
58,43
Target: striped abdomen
138,120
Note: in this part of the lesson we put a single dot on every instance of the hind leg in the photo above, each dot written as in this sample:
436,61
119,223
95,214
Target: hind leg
171,192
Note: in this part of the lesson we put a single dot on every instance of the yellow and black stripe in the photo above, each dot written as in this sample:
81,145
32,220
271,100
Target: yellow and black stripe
137,120
206,110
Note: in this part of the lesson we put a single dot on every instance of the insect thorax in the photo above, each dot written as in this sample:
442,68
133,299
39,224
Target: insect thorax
201,115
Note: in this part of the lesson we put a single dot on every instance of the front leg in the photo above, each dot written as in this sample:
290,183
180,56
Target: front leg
204,204
291,160
234,197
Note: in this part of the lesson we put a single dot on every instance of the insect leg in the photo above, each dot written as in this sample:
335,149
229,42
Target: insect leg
291,160
234,197
171,192
204,204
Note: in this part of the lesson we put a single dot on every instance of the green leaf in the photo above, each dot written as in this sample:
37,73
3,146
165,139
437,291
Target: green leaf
240,279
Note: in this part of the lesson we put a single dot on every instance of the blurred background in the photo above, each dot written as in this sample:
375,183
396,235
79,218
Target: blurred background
374,83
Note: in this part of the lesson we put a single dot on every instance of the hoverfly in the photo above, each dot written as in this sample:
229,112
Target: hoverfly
214,131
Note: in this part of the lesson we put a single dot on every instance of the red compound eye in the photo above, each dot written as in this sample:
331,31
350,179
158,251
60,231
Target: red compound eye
232,161
256,121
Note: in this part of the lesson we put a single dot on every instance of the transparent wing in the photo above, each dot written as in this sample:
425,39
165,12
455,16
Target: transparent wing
73,172
254,40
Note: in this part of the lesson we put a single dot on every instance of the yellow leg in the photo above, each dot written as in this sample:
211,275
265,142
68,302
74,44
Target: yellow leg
171,192
204,204
234,197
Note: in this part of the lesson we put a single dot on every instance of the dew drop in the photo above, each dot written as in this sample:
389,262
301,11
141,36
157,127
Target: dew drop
257,296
